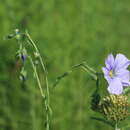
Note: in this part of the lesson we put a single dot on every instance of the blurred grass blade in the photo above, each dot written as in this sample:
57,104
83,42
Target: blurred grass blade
103,120
127,90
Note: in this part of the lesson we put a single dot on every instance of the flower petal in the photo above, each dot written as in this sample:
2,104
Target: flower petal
126,83
124,76
109,62
115,87
121,62
106,74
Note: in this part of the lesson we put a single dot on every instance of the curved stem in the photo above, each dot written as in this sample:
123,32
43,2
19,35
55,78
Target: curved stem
83,66
36,49
47,95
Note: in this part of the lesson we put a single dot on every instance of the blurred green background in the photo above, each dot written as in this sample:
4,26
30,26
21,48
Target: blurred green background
67,32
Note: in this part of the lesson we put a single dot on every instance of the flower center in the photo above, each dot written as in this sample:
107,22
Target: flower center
111,73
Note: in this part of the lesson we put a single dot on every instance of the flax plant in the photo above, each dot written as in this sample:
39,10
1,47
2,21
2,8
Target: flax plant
114,107
24,54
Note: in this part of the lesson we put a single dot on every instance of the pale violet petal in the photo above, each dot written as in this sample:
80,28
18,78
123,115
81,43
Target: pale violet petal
115,87
126,83
121,62
109,62
124,76
106,74
105,70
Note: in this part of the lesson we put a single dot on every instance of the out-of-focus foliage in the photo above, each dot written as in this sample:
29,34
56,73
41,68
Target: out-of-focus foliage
67,32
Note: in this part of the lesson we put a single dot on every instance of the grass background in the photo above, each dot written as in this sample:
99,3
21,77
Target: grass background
67,32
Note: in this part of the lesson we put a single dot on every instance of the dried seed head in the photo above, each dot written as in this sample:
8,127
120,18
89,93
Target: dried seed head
114,107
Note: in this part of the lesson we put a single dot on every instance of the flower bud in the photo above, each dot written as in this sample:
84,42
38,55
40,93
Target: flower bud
23,75
36,54
18,34
114,107
23,57
23,54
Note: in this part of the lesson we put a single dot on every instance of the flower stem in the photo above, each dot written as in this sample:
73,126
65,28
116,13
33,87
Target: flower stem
37,77
116,127
36,49
47,94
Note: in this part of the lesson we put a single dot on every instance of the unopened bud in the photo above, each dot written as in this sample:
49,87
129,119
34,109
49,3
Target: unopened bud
36,54
114,107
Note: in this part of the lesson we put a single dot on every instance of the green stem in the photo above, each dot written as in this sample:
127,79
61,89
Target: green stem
90,73
37,77
41,61
89,68
46,101
116,127
83,66
86,68
47,96
36,49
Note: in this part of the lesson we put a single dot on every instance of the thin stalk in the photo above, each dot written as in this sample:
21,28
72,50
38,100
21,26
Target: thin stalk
83,66
90,73
86,68
37,77
42,63
116,127
47,96
89,68
47,104
36,49
44,97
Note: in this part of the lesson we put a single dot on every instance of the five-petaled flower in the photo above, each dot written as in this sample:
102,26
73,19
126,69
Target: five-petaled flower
116,73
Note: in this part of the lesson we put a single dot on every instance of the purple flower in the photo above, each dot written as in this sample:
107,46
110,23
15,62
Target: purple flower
116,73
